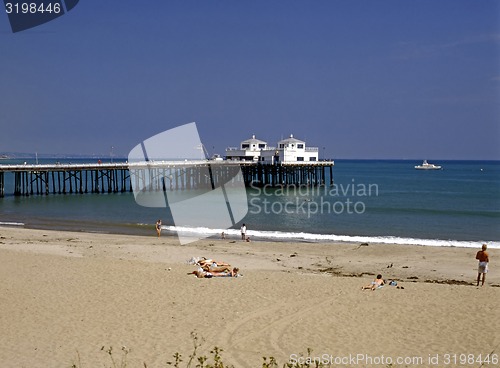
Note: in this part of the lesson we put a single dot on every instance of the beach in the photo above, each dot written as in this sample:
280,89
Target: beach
67,297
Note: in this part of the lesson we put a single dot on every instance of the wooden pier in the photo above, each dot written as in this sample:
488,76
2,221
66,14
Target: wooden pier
159,175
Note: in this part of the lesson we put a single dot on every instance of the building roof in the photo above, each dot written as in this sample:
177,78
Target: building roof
254,140
290,140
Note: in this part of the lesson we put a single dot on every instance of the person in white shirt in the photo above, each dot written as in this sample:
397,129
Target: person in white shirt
243,232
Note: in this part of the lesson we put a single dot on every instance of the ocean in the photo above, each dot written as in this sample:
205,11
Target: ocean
385,201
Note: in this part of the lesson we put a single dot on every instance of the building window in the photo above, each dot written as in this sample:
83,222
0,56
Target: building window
301,146
300,158
282,145
245,145
312,158
261,145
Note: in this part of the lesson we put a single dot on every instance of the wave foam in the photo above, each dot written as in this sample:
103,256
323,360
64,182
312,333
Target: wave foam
302,236
11,223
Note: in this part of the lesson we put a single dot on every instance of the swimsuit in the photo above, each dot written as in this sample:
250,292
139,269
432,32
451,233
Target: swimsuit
483,267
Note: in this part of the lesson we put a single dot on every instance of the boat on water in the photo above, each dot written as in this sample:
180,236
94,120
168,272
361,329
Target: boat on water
427,166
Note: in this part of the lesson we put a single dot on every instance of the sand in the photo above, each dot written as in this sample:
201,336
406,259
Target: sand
67,297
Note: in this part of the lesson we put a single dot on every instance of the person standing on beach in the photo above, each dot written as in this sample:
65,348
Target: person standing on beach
158,228
483,258
243,232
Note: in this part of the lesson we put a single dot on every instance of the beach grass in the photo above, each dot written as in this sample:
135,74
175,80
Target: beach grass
197,360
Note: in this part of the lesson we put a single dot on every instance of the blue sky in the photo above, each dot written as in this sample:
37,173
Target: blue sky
364,79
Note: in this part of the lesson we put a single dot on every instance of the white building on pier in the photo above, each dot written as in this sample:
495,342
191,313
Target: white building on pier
249,150
288,151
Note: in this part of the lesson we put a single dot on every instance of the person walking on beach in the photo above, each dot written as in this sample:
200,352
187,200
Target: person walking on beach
483,258
158,228
243,232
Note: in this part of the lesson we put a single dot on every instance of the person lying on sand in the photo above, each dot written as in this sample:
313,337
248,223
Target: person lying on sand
230,273
204,261
375,284
211,268
200,273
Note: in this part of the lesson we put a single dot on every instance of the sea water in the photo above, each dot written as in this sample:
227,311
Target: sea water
370,201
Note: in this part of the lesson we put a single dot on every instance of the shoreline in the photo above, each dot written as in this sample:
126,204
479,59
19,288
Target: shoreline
390,253
65,292
141,229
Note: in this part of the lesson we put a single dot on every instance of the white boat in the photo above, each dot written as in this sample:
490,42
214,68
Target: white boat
427,166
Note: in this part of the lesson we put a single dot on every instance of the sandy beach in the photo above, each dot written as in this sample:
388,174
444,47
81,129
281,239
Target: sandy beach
66,297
